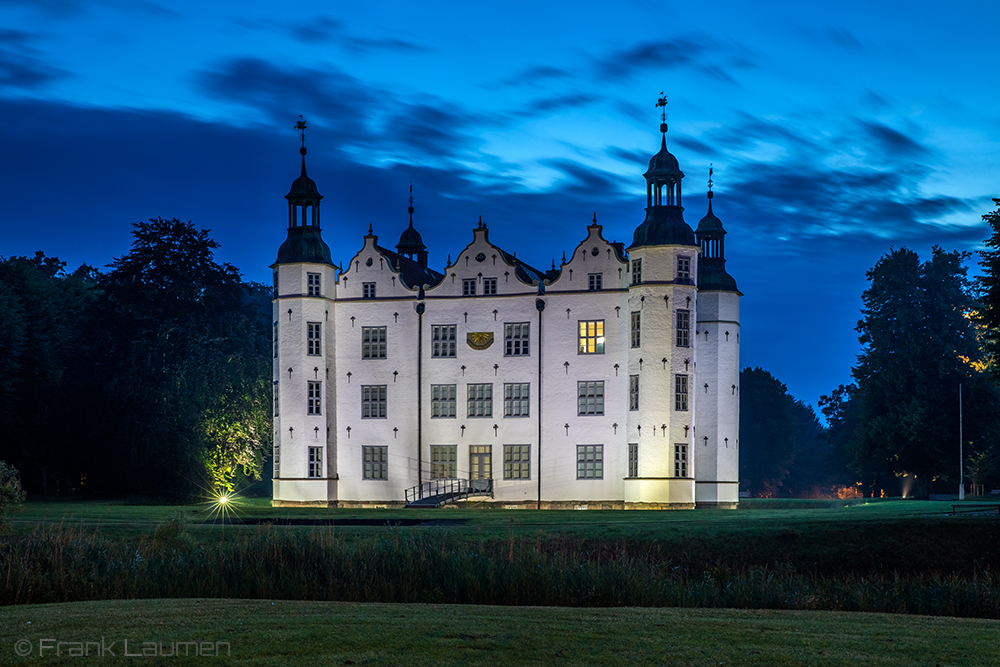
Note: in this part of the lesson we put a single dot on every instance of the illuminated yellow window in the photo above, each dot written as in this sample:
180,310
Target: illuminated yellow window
591,337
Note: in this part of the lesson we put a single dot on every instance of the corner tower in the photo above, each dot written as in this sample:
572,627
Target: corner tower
303,372
663,262
718,333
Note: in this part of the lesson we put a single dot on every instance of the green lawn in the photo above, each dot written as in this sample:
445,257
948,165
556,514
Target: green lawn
287,633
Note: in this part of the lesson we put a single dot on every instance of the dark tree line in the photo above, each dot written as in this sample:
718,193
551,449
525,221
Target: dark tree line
926,330
150,377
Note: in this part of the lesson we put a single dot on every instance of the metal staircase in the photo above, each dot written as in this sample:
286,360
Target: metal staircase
439,492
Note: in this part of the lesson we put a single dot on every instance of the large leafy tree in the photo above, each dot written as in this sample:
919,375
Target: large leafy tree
988,313
918,346
184,345
769,430
41,307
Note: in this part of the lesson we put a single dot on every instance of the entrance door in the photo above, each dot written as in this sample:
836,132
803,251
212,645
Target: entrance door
480,467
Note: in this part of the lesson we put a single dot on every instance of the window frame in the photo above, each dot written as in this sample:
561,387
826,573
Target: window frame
584,337
633,392
315,463
680,459
517,339
468,287
367,290
447,464
635,328
519,467
590,461
314,397
585,399
439,341
484,401
375,469
489,286
373,404
684,269
633,459
681,393
637,271
683,328
314,339
379,346
438,400
314,282
522,402
595,282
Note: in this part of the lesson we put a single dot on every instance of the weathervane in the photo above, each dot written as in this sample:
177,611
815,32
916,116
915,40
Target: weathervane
301,126
662,102
711,168
411,203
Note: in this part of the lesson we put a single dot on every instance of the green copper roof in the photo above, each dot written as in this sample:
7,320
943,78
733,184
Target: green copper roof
304,245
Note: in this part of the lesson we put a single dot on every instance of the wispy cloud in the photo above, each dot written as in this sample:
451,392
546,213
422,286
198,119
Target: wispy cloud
21,65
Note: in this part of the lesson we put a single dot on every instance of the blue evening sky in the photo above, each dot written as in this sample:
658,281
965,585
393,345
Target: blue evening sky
837,131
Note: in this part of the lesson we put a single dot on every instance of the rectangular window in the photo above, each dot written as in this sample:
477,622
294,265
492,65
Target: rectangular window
680,460
274,339
376,459
633,392
314,339
595,282
277,404
373,401
636,328
367,290
312,284
590,461
315,461
443,400
516,462
275,288
591,337
373,342
681,392
443,340
315,398
515,339
683,328
590,397
489,285
515,399
633,459
443,461
636,271
480,400
468,287
684,269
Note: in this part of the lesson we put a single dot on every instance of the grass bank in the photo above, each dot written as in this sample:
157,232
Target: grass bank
259,633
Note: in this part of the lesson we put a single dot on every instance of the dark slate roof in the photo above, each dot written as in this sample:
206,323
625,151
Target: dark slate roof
664,225
527,273
410,240
304,244
410,272
712,275
303,187
663,163
710,224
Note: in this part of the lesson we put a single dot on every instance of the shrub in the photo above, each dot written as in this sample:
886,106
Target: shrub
11,493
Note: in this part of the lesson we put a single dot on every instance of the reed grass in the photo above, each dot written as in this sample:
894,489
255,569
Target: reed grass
64,563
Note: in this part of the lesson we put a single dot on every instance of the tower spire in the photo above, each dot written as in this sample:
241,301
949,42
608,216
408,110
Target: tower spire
411,204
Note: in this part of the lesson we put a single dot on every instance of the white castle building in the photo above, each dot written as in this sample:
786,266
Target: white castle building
609,382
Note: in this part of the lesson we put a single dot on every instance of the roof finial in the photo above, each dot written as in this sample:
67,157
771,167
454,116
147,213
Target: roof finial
595,217
711,168
301,126
411,203
662,102
480,222
370,229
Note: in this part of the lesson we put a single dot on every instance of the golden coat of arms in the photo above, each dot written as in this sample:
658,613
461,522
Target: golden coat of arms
479,340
